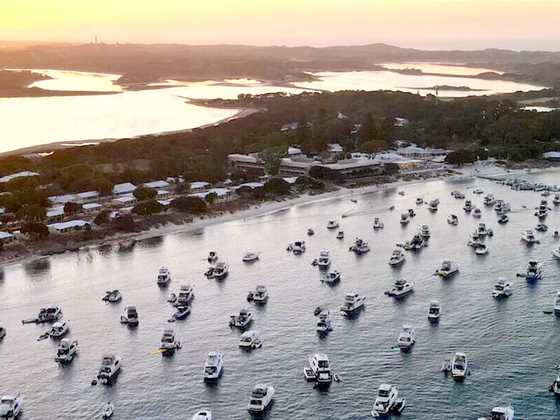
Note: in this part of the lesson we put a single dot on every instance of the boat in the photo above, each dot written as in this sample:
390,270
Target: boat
332,224
542,211
476,212
130,316
387,401
250,340
261,398
481,249
66,351
541,227
529,237
397,257
332,277
415,244
425,232
557,303
221,270
458,195
360,247
433,205
110,368
163,277
419,201
501,207
405,218
377,224
555,387
503,219
319,364
324,260
213,367
340,234
2,332
11,406
556,252
500,413
241,320
556,200
210,272
112,296
434,311
459,366
181,312
534,271
250,257
489,200
447,269
185,295
453,220
407,338
212,257
325,323
108,410
169,344
411,213
400,289
478,191
50,313
401,192
468,206
259,295
483,230
298,247
353,302
202,415
502,289
310,232
59,329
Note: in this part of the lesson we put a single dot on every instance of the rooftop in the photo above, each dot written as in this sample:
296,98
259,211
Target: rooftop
123,188
68,225
22,174
157,184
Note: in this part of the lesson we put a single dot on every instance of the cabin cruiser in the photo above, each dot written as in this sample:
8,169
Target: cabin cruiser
447,269
319,364
556,200
298,247
2,332
503,219
481,249
377,224
360,247
110,368
130,316
541,227
501,207
556,252
453,220
419,201
468,206
164,277
112,296
59,329
11,406
434,311
397,258
534,271
542,210
168,343
340,234
529,237
425,232
407,338
212,257
476,212
400,289
325,323
310,232
489,200
250,340
213,367
458,195
415,244
502,289
221,271
185,295
387,401
433,206
241,320
500,413
478,191
261,398
202,415
66,351
555,387
49,314
250,257
324,260
405,218
483,230
332,224
411,213
259,295
459,366
181,312
353,302
108,411
332,277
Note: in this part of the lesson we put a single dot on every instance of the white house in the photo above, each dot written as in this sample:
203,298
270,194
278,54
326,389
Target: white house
335,148
6,237
125,200
198,186
157,185
22,174
91,207
88,197
163,195
70,226
63,199
55,214
124,188
223,194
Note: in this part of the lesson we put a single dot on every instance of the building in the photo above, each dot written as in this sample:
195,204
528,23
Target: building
90,208
157,185
295,167
23,174
123,189
163,195
222,194
552,156
55,214
87,197
295,152
246,163
125,200
352,169
198,186
63,199
252,185
335,148
6,237
402,162
70,226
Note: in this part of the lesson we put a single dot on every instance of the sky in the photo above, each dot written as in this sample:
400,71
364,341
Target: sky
429,24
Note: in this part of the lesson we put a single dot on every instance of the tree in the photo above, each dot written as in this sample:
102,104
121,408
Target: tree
71,208
277,186
144,193
192,205
460,157
211,197
102,218
147,208
35,230
31,213
124,222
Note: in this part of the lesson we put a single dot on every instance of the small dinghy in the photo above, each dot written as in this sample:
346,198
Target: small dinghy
108,410
202,415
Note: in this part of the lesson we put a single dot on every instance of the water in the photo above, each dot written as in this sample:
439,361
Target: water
512,345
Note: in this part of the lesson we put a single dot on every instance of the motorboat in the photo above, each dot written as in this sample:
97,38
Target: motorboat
185,295
319,364
415,244
377,224
163,277
298,247
542,211
11,406
210,272
332,277
557,303
468,206
181,312
447,269
482,230
397,257
250,257
534,271
2,332
261,398
250,340
501,207
259,295
360,247
500,413
405,218
169,343
59,329
213,367
459,366
332,224
503,219
502,289
556,200
66,351
202,415
458,195
489,200
401,192
387,401
476,212
411,213
112,296
241,320
310,232
108,411
400,289
481,249
453,220
50,313
419,201
353,302
130,316
425,232
325,323
212,257
434,311
324,260
555,387
478,191
556,252
221,270
110,368
407,338
529,237
433,205
541,227
340,234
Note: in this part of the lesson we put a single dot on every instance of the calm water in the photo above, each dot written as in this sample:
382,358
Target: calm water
512,345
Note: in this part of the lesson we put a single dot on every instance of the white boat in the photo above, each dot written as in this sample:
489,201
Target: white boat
241,320
163,277
481,249
557,303
458,195
112,296
459,366
534,271
259,295
407,338
377,224
489,200
415,244
310,232
411,213
387,401
405,218
397,257
325,323
434,311
332,224
503,219
433,205
353,302
130,316
319,364
529,237
556,252
50,313
500,413
502,289
555,387
202,415
250,340
360,247
400,289
468,206
221,271
476,212
108,410
340,234
556,200
501,207
212,257
185,295
324,260
110,368
541,227
59,329
250,257
11,406
332,277
483,230
261,398
169,343
447,269
66,351
298,247
2,332
419,201
425,232
542,211
478,191
181,312
453,220
214,366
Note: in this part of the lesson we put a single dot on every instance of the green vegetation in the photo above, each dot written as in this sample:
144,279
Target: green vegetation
191,205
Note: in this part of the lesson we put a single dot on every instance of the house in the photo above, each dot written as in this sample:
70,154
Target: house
335,148
6,237
157,185
352,169
63,199
70,226
123,189
295,152
291,180
223,194
414,152
87,197
89,208
361,156
23,174
163,195
252,185
295,166
402,162
247,163
125,200
198,186
55,214
552,156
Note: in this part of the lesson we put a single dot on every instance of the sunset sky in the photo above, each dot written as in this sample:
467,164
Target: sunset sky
518,24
